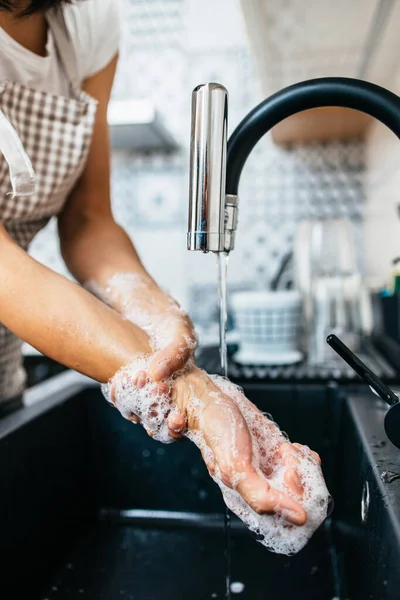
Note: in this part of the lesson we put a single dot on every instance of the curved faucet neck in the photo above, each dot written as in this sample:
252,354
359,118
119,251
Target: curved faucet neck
331,91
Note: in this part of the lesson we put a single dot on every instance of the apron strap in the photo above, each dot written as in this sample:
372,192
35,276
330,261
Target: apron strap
64,46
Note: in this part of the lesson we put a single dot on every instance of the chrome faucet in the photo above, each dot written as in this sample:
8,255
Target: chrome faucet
212,214
216,165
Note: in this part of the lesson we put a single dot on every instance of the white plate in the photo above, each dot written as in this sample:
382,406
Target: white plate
290,357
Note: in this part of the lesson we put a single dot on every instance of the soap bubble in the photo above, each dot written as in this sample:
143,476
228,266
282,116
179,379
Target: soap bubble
160,317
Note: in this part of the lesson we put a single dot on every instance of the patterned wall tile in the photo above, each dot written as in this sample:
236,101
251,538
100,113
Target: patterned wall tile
150,196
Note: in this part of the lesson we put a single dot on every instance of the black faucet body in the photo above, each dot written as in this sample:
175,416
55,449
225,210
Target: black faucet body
366,97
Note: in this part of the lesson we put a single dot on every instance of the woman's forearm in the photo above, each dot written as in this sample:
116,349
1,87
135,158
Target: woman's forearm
97,248
62,320
98,251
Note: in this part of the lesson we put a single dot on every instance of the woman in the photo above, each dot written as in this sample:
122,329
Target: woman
57,66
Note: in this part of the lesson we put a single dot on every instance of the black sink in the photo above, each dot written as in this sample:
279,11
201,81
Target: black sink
90,507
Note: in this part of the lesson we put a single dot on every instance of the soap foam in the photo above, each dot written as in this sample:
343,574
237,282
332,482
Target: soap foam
273,531
146,403
154,312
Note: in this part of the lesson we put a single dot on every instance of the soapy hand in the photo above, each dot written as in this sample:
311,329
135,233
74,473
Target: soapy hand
240,446
140,300
262,476
198,409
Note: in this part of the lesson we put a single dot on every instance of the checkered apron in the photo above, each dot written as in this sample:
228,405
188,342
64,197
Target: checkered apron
56,132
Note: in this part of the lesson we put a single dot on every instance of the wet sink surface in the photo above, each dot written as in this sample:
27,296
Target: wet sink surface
75,459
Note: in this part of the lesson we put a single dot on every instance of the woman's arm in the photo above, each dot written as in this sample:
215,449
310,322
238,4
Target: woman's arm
95,247
62,320
92,244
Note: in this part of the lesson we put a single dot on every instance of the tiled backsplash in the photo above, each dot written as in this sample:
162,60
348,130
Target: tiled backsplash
168,48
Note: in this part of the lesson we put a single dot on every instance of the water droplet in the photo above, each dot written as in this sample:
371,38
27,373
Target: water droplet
70,566
237,587
160,451
203,494
214,595
389,476
81,591
146,453
54,588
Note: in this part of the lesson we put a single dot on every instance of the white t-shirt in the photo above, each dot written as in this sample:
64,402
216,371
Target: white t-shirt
94,29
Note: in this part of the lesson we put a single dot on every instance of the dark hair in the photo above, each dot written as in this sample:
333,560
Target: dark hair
33,7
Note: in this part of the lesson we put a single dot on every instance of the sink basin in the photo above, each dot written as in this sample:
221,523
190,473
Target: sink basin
90,507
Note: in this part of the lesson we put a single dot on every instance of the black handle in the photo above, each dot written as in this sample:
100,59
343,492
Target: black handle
363,371
330,91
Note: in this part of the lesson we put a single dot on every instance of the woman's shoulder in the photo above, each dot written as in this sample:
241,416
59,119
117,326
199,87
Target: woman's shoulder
94,28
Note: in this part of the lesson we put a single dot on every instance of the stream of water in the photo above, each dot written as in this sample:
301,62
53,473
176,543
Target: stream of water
222,265
222,270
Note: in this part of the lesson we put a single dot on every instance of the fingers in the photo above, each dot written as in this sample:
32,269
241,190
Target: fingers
162,389
298,450
134,419
176,425
170,360
176,422
290,454
140,379
235,464
258,494
293,481
306,450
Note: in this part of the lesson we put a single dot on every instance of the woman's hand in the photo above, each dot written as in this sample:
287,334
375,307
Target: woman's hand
240,446
178,340
230,424
140,300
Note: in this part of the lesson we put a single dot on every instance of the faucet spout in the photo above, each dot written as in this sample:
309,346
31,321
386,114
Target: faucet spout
211,226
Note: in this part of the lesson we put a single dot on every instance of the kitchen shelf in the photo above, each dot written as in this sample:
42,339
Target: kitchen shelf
136,125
